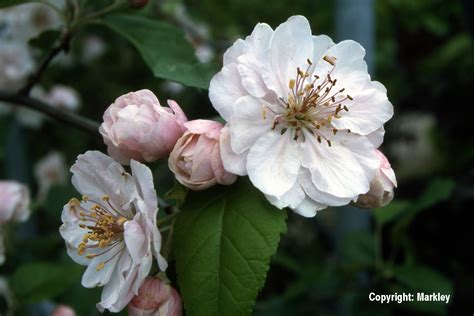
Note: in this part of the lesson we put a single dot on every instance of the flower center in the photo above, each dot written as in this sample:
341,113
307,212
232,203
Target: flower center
104,225
312,104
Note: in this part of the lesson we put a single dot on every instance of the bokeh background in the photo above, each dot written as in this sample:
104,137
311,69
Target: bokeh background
422,51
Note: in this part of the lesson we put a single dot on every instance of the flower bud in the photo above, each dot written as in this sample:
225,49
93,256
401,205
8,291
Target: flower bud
381,187
14,202
155,298
196,158
137,127
63,310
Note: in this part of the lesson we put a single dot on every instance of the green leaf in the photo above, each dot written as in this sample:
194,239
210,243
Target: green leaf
177,193
164,49
438,190
358,249
386,214
224,238
34,282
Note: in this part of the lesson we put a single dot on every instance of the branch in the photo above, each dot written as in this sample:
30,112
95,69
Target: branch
67,117
63,44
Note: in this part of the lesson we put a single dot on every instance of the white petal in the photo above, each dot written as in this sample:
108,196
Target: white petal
135,239
290,199
225,88
249,122
144,182
273,163
337,170
231,54
249,68
309,208
369,110
350,68
376,137
233,163
96,276
323,198
321,44
291,46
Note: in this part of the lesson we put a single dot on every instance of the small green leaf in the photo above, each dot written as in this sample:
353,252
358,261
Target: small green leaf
34,282
386,214
164,49
358,249
422,278
437,191
224,238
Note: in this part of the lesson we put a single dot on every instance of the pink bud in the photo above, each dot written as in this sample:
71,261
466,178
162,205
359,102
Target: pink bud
14,202
63,310
381,187
155,298
196,158
137,127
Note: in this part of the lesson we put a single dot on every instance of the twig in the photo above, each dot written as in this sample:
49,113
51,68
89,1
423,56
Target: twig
67,117
63,44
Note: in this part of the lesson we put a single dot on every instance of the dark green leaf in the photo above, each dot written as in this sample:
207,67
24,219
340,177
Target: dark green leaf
358,249
164,49
422,278
386,214
224,239
34,282
177,193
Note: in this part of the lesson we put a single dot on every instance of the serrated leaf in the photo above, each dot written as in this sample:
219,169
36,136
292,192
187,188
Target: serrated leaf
37,281
224,238
164,49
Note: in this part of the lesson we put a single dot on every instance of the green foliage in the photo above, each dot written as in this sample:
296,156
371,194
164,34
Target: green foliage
358,249
164,49
33,282
223,243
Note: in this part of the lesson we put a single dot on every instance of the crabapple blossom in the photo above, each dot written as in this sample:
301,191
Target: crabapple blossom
137,127
49,171
62,97
196,158
112,230
303,116
156,297
14,207
381,186
63,310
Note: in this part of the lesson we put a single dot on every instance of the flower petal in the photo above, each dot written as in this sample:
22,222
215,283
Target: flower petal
290,199
323,198
309,208
273,163
249,122
233,163
95,274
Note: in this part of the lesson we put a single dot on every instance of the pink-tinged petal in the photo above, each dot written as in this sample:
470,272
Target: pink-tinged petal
367,113
225,88
221,175
386,169
250,121
180,115
135,239
337,170
273,163
291,46
211,129
232,162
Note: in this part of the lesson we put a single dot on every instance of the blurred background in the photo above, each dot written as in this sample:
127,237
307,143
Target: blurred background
422,51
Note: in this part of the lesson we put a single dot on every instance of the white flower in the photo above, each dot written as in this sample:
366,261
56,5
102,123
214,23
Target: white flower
63,97
16,64
303,116
113,229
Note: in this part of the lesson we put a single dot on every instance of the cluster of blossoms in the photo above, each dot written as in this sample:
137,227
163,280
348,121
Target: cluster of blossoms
303,121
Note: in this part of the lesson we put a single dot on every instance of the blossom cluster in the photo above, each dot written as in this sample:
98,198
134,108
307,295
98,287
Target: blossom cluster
303,120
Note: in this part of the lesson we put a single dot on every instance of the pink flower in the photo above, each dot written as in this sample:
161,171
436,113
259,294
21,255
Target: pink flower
155,298
63,97
14,202
137,127
113,229
63,310
381,187
196,158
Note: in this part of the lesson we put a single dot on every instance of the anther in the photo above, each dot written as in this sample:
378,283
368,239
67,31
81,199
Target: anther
319,139
350,98
85,198
334,131
100,266
309,61
291,84
330,59
329,142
